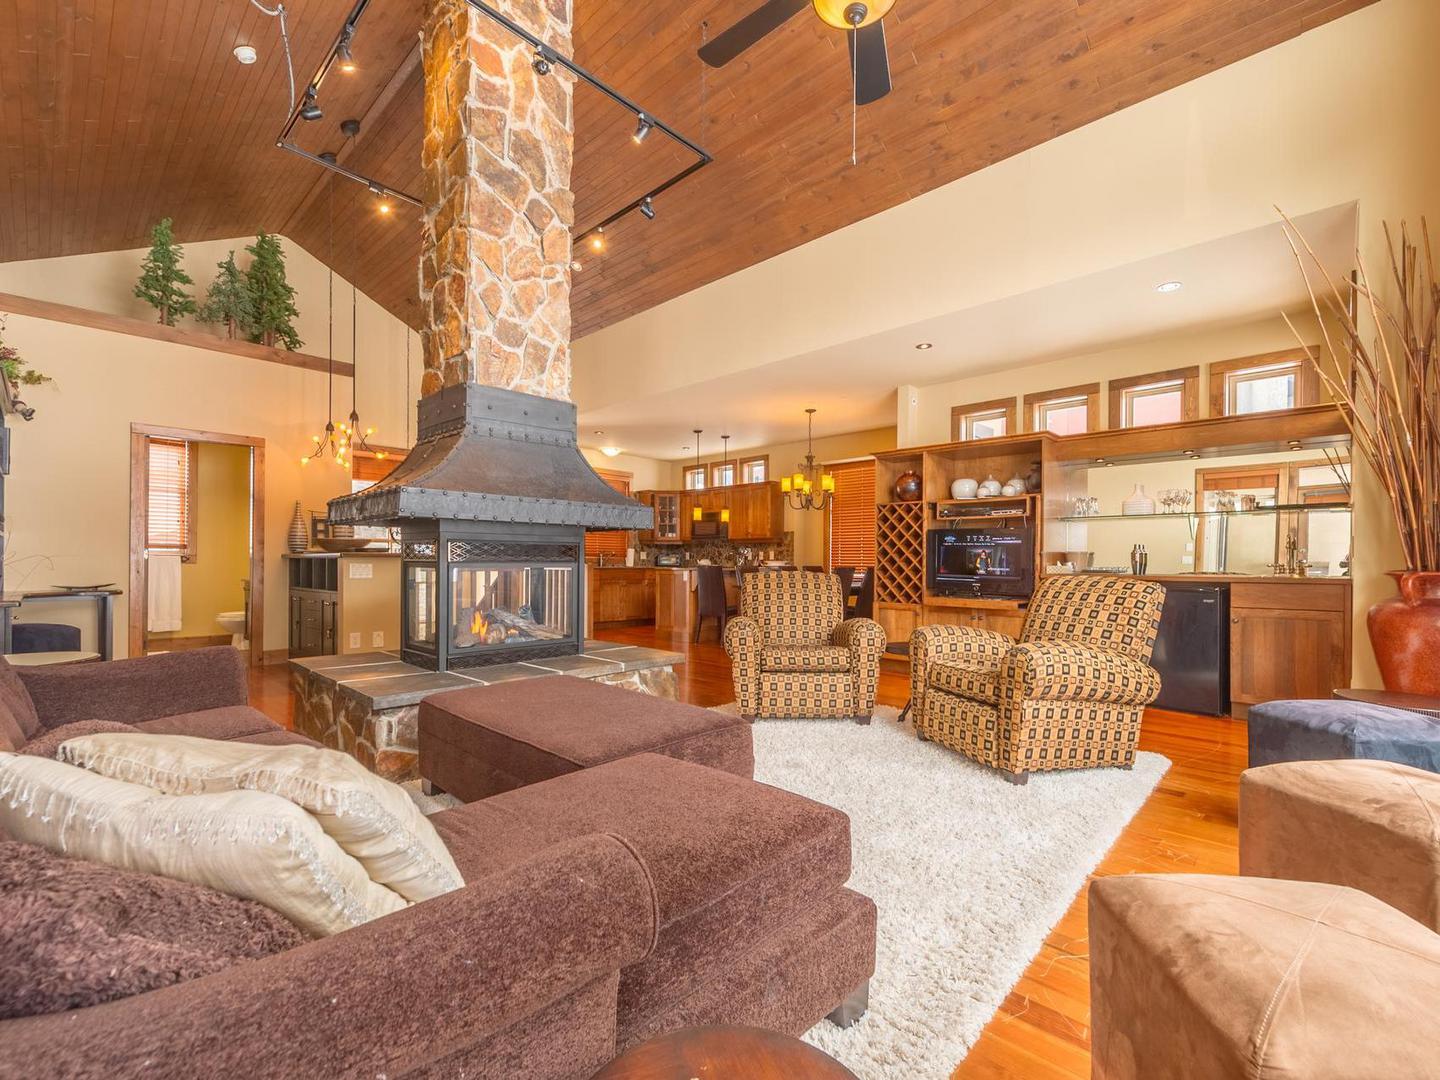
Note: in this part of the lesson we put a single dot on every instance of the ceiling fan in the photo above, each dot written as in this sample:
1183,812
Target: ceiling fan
862,22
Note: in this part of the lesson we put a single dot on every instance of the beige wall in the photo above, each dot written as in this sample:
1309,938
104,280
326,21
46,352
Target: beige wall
646,474
213,581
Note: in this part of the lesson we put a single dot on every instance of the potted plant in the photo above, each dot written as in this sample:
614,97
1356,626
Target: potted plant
162,281
16,373
1384,377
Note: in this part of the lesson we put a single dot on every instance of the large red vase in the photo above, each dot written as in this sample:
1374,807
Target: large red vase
1405,631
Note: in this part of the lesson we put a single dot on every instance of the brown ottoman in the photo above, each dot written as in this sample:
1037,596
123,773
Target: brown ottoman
1371,825
1195,977
480,742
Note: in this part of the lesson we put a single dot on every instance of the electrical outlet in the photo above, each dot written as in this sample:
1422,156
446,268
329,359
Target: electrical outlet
354,641
377,639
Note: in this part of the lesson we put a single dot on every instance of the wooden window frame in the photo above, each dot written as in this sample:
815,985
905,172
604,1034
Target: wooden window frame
1089,391
691,470
763,459
961,414
1301,360
610,541
715,466
1188,377
859,467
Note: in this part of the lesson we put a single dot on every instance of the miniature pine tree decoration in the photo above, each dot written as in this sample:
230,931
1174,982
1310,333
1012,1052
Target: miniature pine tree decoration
272,300
161,277
227,300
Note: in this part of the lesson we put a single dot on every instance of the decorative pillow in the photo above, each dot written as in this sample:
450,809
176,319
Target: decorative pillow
374,820
19,723
48,742
76,933
246,843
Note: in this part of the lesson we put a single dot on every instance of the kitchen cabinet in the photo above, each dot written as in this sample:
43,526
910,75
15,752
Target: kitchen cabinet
666,507
1287,640
620,594
757,511
343,603
1003,617
897,620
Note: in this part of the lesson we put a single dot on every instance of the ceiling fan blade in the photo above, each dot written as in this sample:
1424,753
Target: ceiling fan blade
767,17
872,64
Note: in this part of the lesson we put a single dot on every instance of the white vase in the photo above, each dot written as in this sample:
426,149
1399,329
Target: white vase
1138,502
990,488
964,489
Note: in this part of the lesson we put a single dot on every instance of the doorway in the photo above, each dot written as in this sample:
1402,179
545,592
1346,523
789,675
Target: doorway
197,540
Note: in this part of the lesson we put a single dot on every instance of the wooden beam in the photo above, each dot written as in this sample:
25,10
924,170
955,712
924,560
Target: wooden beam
123,324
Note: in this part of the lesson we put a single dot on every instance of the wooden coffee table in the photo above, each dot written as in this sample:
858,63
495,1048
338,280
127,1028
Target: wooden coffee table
724,1053
1417,703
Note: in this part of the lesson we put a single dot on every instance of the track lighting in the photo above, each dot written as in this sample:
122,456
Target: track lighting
647,207
310,110
540,64
343,52
597,240
575,265
642,129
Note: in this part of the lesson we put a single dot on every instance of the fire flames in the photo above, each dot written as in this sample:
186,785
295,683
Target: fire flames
479,625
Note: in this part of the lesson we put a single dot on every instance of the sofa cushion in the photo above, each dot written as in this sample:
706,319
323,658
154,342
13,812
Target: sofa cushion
967,682
246,843
77,933
47,743
227,722
374,820
19,723
805,658
730,858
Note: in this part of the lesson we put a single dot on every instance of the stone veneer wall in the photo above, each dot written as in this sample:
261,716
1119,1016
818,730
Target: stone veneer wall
724,552
495,255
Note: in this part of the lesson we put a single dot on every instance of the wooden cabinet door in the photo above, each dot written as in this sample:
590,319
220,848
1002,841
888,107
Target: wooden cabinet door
667,516
295,625
311,630
1003,622
767,513
1277,654
897,620
687,505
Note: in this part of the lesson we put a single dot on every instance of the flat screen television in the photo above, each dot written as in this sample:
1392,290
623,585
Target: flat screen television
997,561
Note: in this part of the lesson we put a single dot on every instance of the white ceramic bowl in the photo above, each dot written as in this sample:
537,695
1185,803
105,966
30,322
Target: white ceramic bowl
964,489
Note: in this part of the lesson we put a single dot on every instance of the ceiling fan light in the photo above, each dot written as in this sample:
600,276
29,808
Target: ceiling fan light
839,13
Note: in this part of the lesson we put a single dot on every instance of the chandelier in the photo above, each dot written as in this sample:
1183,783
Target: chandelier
800,489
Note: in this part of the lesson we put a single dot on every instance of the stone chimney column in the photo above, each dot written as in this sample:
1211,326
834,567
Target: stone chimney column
495,255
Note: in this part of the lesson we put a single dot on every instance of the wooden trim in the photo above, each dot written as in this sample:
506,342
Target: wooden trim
1189,400
740,476
123,324
1307,378
958,413
686,470
1089,391
140,435
710,473
182,644
1320,425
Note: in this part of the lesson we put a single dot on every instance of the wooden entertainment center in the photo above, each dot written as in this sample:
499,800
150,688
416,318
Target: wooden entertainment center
1289,635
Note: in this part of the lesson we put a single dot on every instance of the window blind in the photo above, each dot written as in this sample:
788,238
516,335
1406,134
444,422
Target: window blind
365,466
611,541
852,515
168,519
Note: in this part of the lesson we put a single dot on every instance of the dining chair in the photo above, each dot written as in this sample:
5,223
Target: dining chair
710,600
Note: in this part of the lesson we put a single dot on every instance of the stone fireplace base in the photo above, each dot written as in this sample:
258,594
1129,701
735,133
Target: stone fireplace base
367,704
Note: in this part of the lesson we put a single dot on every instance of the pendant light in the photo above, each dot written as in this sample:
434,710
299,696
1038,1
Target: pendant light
696,513
351,433
327,442
724,463
800,489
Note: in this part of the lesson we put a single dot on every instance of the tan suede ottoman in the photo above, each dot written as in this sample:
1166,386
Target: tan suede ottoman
1195,977
479,742
1371,825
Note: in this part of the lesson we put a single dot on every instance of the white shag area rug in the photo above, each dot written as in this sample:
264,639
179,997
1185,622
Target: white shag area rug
969,874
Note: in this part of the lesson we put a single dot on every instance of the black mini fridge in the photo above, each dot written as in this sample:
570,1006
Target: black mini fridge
1192,652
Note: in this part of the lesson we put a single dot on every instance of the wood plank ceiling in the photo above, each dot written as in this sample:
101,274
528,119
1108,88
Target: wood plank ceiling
119,112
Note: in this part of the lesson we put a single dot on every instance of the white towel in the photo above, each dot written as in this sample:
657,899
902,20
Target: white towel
162,593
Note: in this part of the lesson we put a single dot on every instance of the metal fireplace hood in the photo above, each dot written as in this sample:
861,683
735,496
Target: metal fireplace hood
492,455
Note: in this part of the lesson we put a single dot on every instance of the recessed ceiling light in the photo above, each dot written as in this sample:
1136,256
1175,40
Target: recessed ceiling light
245,54
925,345
598,431
610,451
1170,286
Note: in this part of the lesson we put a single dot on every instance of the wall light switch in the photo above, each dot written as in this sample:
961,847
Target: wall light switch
355,640
1187,560
377,639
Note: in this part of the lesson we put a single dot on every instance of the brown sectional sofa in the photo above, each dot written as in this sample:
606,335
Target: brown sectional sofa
603,906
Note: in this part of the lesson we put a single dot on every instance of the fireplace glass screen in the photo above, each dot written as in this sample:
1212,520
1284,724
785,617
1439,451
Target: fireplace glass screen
510,605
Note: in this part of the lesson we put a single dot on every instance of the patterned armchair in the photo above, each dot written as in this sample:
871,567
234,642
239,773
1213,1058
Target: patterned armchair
793,653
1068,695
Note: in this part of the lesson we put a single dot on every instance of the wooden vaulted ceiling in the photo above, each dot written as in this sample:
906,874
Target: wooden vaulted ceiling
120,112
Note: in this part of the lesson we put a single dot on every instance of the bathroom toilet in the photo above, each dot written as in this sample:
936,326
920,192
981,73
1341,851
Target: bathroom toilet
233,623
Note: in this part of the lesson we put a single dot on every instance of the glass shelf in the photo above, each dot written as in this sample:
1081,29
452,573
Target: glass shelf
1187,515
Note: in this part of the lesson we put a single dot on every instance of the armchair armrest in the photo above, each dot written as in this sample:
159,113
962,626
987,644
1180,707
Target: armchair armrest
143,688
865,638
742,644
1063,671
385,998
968,646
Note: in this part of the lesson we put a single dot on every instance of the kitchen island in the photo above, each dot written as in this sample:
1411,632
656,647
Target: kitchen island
663,595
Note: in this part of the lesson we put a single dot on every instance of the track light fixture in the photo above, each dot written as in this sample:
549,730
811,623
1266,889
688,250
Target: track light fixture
597,240
311,109
344,53
647,207
540,64
642,128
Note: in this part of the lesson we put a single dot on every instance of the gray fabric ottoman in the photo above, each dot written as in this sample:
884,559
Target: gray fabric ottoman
479,742
1331,730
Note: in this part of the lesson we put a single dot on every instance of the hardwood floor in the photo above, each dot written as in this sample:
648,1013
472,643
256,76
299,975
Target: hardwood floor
1188,825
